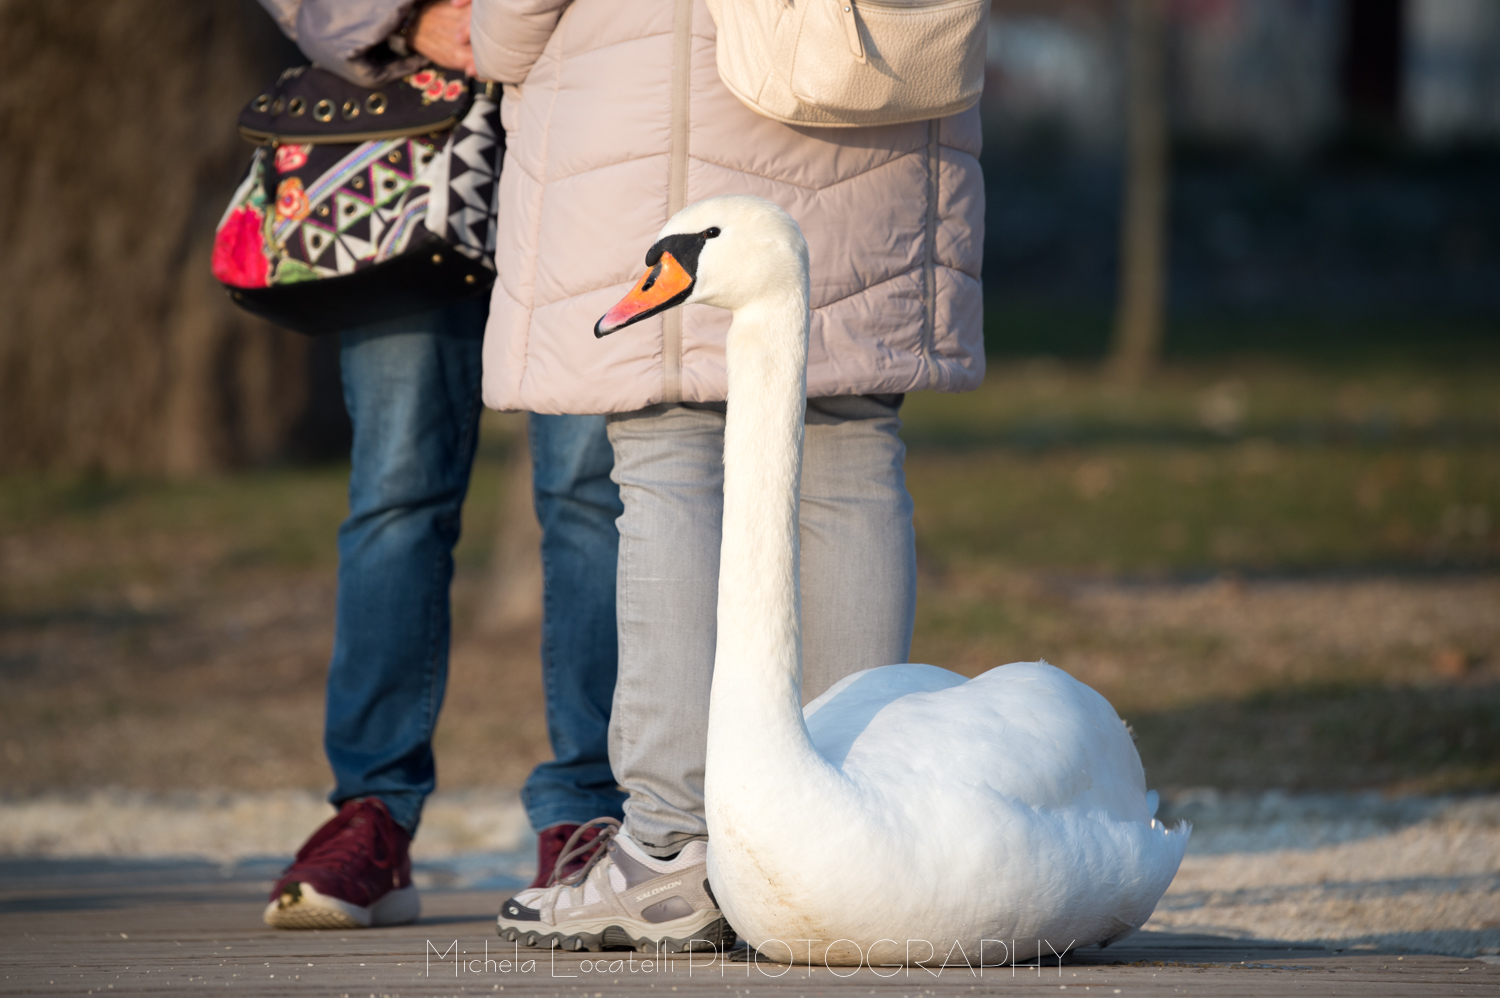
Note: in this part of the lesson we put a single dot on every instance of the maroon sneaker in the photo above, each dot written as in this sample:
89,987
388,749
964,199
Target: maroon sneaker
550,843
353,873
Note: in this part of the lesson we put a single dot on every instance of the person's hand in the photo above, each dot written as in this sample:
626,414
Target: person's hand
441,33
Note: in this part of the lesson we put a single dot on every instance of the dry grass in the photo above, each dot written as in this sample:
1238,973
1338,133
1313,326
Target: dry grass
165,636
1379,681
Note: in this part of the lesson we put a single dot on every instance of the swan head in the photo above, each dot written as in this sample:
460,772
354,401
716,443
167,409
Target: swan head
729,251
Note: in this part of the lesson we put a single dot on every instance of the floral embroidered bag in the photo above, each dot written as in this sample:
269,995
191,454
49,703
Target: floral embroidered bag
362,204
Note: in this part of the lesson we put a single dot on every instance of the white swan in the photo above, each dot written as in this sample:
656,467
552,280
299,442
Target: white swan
908,814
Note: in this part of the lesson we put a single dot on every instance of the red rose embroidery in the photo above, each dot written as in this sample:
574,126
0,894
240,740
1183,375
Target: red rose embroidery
455,90
420,80
434,90
289,158
291,200
239,258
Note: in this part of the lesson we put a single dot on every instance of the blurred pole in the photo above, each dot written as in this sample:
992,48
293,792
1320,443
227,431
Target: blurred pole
1371,68
1143,237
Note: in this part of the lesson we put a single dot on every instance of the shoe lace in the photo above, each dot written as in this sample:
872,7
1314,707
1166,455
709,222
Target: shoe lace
600,844
340,842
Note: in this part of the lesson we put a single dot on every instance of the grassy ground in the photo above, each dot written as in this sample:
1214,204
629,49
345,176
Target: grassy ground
1255,467
167,635
1283,573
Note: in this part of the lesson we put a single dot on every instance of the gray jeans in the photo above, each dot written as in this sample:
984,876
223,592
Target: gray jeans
858,584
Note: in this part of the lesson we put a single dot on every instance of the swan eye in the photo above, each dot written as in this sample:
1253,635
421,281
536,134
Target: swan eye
710,233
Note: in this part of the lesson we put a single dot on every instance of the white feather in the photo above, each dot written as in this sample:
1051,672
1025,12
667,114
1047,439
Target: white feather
907,809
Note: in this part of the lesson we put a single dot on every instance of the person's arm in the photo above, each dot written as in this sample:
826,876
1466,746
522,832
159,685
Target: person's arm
508,36
371,42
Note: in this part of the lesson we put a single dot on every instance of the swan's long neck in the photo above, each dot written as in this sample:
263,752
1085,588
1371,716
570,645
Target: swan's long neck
756,701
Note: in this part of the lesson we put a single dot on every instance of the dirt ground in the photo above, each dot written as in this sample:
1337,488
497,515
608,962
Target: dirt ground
225,691
1282,575
1385,682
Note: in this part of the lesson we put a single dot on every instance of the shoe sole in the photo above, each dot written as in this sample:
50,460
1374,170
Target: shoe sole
311,910
716,934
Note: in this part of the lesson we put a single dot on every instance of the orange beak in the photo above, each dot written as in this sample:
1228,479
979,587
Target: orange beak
663,286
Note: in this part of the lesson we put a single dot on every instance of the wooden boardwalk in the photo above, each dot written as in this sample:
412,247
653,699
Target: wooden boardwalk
118,928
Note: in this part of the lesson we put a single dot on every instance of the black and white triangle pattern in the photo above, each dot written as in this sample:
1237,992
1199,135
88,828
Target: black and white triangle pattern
338,208
463,210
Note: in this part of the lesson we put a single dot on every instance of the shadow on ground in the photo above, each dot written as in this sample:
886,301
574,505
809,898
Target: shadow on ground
1425,739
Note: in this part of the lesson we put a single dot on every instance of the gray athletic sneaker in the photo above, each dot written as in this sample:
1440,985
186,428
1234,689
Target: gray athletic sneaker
623,899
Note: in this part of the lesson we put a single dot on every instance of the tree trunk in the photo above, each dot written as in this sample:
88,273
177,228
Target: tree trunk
1143,237
118,350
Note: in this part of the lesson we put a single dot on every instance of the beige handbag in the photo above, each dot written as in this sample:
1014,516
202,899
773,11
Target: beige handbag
843,63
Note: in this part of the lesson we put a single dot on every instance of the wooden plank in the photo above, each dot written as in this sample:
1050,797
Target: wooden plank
79,927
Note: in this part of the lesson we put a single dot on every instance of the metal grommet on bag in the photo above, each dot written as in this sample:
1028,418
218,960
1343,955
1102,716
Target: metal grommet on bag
302,172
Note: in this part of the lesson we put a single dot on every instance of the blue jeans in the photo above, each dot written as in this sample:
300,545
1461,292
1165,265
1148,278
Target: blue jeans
577,503
412,389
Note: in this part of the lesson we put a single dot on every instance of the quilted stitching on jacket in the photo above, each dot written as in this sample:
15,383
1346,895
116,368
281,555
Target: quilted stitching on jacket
584,192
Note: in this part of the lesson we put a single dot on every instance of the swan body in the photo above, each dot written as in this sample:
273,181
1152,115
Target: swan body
907,815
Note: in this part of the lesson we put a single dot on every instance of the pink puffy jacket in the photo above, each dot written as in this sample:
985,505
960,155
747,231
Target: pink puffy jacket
615,118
